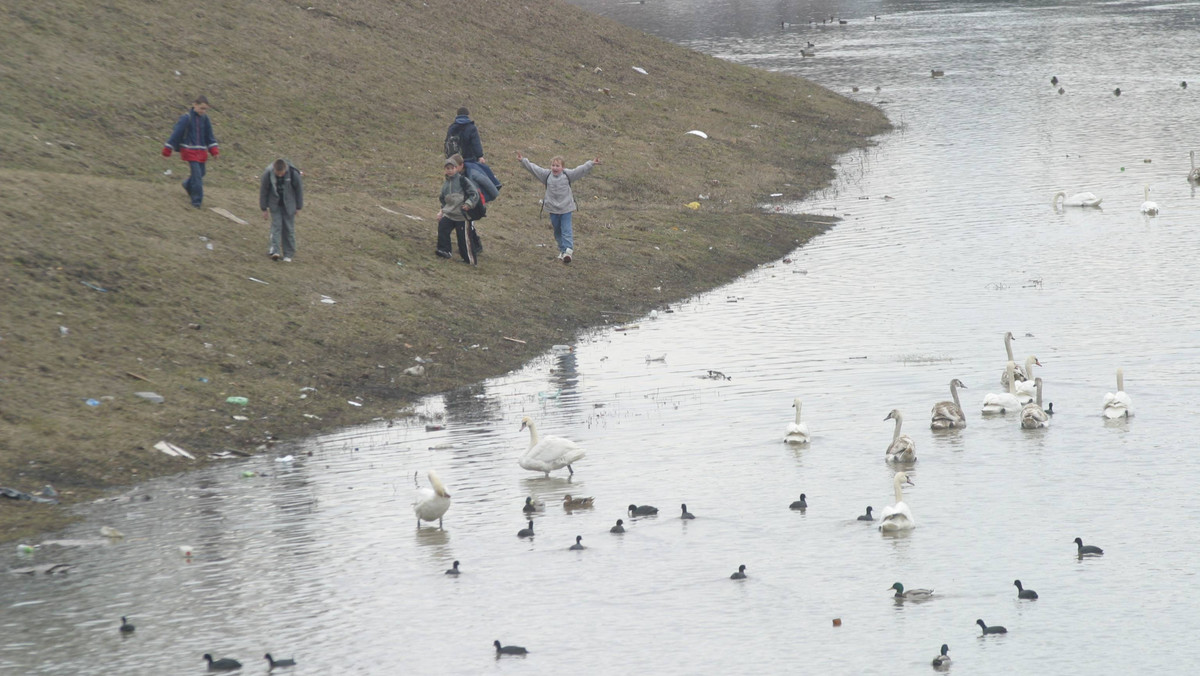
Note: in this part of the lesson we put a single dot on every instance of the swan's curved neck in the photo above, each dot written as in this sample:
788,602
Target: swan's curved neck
1008,342
954,394
1029,362
1039,392
1010,368
533,435
1146,192
896,432
798,412
1120,380
899,493
1058,195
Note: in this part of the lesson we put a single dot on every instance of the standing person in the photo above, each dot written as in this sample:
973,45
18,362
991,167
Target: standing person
193,138
281,195
462,138
458,195
559,201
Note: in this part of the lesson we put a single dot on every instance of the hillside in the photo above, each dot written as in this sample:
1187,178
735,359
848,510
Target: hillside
97,240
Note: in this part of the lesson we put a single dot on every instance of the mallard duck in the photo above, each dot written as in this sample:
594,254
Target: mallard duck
532,506
1023,593
911,594
942,661
576,503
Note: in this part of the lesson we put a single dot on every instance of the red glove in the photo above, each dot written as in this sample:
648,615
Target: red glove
166,151
214,151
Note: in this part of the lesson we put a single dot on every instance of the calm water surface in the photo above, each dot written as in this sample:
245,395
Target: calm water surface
320,558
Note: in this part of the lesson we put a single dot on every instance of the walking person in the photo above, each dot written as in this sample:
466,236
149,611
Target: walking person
559,201
193,138
462,138
458,195
281,197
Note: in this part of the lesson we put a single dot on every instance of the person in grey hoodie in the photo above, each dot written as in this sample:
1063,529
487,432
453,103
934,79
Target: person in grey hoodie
457,196
281,197
559,201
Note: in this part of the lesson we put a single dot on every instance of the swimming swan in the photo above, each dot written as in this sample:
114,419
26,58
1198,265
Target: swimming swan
1025,388
949,414
797,432
1194,174
902,448
1032,416
1082,199
1005,401
1149,208
898,516
549,453
433,502
1018,373
1118,404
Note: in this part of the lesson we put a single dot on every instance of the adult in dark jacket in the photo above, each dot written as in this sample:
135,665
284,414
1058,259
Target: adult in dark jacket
468,144
193,138
281,196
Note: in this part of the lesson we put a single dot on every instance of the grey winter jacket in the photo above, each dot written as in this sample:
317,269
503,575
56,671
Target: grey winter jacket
559,198
293,191
458,192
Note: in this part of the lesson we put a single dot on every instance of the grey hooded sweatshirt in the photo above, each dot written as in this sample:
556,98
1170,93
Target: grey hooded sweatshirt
558,199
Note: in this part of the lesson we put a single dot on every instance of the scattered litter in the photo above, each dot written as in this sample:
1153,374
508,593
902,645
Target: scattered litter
186,550
717,375
240,418
255,279
91,402
397,213
171,449
415,218
209,246
631,327
227,455
837,621
46,495
561,349
776,194
139,377
314,417
597,69
353,403
434,428
286,458
202,379
417,370
308,389
327,300
693,205
94,287
697,132
152,397
167,172
643,72
549,394
248,474
442,447
649,359
654,314
240,401
24,549
513,340
226,214
62,330
110,532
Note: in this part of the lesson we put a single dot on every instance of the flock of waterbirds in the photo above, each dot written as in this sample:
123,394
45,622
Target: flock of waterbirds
225,663
1021,393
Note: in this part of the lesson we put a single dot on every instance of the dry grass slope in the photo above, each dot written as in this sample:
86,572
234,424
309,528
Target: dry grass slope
358,93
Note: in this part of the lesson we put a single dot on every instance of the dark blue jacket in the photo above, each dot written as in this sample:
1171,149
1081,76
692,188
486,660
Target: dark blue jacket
193,137
472,147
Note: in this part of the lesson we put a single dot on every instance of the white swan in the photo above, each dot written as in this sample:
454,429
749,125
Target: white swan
1005,401
1194,174
797,432
898,516
1149,208
1081,199
1018,373
432,503
949,414
1032,416
549,453
902,448
1118,405
1025,389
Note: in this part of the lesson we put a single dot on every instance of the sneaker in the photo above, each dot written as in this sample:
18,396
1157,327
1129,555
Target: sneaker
287,259
566,257
443,254
274,256
560,255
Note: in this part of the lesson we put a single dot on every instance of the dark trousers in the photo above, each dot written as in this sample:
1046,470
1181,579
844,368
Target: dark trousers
194,184
460,228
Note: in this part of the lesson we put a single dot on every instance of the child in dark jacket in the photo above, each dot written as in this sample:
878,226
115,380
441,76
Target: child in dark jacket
458,195
193,138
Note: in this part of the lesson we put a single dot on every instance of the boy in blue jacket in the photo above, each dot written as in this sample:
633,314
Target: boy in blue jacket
193,138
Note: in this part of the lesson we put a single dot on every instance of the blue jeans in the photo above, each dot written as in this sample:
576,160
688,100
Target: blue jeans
194,184
562,231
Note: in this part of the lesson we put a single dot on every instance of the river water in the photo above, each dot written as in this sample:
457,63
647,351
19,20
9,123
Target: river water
320,559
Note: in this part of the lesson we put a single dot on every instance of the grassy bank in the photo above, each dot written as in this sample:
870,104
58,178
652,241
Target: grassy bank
96,240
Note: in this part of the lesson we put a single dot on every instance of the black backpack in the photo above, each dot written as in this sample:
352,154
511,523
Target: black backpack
453,145
479,210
